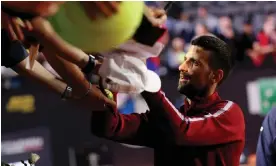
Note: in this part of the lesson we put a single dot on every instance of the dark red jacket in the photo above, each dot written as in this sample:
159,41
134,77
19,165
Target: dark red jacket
207,132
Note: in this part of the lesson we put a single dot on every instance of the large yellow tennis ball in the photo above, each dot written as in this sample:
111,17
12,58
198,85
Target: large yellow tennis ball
73,25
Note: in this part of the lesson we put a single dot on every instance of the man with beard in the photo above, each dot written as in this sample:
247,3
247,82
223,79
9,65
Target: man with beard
206,130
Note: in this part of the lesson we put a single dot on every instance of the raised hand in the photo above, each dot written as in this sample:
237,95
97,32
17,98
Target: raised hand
95,8
37,8
156,16
15,26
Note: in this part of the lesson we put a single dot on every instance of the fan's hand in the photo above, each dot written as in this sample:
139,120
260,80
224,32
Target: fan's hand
156,16
95,8
15,26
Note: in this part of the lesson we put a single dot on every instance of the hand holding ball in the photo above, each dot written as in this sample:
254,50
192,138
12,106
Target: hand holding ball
75,27
109,94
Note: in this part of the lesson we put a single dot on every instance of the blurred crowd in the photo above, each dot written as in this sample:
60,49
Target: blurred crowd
251,34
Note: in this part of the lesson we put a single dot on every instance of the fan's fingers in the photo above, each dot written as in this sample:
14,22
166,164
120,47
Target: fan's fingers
29,26
11,32
90,9
103,9
113,5
158,12
17,29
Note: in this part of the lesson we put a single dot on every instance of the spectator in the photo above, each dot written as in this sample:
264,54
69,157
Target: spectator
266,43
176,53
185,27
180,27
266,148
204,17
201,29
227,34
246,40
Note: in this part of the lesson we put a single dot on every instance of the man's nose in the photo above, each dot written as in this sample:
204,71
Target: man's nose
183,66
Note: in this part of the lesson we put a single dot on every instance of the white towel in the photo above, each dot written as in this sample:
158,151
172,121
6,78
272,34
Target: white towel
127,70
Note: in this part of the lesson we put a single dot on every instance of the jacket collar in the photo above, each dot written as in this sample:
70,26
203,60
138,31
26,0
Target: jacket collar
200,103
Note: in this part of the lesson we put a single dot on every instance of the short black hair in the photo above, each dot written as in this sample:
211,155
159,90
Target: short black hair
221,56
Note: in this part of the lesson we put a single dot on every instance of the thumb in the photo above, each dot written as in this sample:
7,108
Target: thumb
111,103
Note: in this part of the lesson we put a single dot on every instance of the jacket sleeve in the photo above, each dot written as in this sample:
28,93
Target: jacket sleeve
130,129
226,125
266,147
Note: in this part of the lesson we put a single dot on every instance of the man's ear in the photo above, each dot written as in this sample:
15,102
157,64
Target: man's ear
217,76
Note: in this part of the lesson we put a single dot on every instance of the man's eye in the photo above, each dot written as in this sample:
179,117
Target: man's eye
196,63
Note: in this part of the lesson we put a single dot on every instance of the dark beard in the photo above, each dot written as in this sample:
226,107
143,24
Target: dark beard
190,91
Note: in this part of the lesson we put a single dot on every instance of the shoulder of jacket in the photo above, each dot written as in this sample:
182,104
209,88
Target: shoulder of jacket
226,105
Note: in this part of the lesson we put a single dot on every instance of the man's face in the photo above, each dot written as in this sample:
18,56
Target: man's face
202,12
195,73
247,28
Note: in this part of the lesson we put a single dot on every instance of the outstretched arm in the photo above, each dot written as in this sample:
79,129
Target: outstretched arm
48,37
131,129
40,75
67,61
